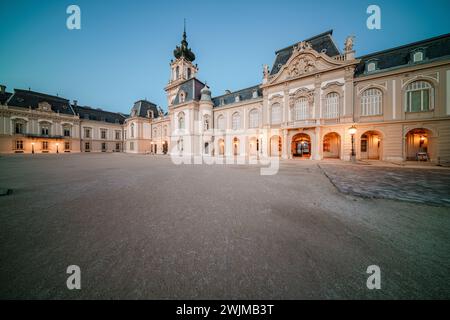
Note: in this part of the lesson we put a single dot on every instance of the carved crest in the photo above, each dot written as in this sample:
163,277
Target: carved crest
301,65
44,106
301,93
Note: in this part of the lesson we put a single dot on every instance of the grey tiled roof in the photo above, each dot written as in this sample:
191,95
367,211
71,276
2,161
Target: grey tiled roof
192,88
434,48
322,42
88,113
244,95
27,98
141,107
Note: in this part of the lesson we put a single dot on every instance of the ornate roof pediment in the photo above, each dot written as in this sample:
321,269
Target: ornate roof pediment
44,106
305,61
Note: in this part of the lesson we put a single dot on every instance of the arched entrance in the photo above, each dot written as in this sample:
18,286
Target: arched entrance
301,146
275,146
236,146
165,147
418,145
370,146
221,145
332,145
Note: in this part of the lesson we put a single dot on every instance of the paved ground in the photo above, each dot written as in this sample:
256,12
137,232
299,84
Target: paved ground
140,227
426,186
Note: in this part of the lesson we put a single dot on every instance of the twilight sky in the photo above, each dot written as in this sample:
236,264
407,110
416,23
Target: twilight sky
123,50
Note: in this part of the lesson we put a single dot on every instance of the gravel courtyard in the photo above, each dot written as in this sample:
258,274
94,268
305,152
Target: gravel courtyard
141,227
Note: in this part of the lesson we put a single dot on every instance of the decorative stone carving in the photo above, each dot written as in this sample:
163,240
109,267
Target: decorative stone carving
301,65
348,45
44,106
266,73
302,92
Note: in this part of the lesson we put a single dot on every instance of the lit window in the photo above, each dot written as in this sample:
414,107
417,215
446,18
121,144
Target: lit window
254,118
67,145
371,102
419,96
236,121
44,145
331,106
275,113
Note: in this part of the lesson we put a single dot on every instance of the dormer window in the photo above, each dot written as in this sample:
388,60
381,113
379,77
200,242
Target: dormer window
418,56
237,98
182,97
371,66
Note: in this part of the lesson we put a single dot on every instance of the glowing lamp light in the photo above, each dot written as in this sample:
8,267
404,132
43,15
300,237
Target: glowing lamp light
352,130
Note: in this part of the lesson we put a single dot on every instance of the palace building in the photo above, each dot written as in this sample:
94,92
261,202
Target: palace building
315,102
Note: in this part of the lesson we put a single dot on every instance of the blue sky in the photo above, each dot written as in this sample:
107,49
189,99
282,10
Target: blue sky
123,50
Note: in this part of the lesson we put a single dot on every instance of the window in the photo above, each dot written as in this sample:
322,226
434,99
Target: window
419,96
177,73
331,106
254,119
19,128
132,130
301,109
19,145
87,133
371,102
117,147
103,146
67,145
103,134
221,122
275,113
181,120
44,130
87,147
364,143
182,97
236,121
189,73
66,132
44,145
132,146
371,66
418,56
117,135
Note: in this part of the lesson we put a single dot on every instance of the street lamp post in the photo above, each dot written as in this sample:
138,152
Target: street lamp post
352,132
32,147
57,148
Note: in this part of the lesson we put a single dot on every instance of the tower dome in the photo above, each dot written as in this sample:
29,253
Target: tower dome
184,50
205,94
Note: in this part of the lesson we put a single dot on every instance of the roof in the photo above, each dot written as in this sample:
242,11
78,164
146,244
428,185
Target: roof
321,43
32,99
192,88
141,108
88,113
4,96
243,94
434,48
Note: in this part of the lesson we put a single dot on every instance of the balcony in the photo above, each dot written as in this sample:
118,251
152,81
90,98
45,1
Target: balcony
43,136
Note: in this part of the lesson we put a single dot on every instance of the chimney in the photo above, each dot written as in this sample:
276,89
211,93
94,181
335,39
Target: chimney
2,89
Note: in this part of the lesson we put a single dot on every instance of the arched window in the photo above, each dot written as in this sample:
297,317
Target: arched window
206,123
221,122
419,96
301,109
254,118
177,73
189,73
236,121
181,120
331,110
371,102
132,130
275,114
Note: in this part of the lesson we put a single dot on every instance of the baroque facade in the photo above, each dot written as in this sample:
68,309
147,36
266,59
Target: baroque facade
396,101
